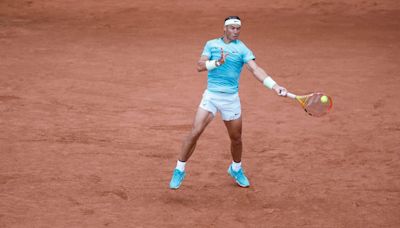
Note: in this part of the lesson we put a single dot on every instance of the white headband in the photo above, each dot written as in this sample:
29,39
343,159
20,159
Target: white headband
233,22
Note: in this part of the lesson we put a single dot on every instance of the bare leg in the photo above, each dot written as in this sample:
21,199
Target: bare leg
234,128
201,120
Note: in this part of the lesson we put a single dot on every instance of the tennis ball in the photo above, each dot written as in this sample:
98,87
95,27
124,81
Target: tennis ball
324,99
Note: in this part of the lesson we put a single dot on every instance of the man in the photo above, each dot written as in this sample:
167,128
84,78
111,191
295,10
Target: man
223,58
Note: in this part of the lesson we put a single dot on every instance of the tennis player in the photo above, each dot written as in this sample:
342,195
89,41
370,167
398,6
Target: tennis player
223,58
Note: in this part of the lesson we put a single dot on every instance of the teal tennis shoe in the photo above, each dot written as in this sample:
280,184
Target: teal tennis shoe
239,177
177,178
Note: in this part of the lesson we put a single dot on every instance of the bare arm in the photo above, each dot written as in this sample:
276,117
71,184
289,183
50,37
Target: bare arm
261,75
201,64
257,71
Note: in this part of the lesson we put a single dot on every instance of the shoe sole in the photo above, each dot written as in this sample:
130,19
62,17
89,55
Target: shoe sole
174,188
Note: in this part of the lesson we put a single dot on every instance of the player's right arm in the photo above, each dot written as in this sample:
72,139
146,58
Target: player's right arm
201,64
205,64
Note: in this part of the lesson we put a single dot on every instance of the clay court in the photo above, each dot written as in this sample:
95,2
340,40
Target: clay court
96,97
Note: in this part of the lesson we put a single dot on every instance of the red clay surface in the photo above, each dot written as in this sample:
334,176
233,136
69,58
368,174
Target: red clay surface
96,97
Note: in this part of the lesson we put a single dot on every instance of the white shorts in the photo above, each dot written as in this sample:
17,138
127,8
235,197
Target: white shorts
225,103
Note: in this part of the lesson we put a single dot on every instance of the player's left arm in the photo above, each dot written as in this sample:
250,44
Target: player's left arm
264,78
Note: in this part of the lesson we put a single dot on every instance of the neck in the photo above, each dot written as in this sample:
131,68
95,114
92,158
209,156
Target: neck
226,40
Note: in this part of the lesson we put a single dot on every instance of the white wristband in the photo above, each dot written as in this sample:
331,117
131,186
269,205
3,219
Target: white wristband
211,64
269,82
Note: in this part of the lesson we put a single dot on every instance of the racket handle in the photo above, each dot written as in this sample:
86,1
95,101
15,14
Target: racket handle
291,95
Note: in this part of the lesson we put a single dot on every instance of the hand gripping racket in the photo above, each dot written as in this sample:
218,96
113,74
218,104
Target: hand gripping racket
315,104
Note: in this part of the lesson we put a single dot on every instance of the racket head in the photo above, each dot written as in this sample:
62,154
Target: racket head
313,104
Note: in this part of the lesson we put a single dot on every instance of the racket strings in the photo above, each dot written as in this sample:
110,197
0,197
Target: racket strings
315,107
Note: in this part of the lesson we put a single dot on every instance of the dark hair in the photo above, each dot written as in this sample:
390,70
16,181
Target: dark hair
232,17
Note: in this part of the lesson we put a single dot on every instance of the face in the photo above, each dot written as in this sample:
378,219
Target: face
232,32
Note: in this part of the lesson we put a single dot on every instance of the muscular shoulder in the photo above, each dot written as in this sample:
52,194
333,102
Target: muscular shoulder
213,41
213,45
241,44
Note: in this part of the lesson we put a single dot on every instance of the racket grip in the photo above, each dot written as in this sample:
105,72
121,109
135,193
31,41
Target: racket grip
291,95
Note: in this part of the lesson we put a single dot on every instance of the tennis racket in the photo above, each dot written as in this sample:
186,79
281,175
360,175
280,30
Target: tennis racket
315,104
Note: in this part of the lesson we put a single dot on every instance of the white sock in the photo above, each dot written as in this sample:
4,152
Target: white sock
236,166
180,165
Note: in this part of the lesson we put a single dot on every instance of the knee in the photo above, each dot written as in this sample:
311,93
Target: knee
194,135
236,140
